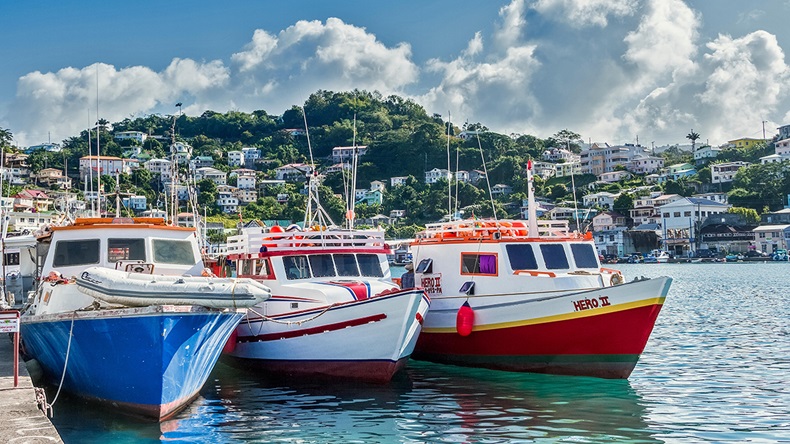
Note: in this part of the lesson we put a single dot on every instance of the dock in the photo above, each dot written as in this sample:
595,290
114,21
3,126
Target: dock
22,421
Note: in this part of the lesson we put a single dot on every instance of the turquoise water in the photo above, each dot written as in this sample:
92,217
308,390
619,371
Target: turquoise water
715,370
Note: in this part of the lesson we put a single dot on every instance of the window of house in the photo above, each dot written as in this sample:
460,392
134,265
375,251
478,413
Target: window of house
687,214
611,237
125,250
666,214
474,263
676,214
76,252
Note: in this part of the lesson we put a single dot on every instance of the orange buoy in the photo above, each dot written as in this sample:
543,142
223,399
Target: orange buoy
465,320
276,229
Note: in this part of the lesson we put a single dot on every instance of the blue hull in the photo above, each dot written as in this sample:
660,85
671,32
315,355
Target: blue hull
145,362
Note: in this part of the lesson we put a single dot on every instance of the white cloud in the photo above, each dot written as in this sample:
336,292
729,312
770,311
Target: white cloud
580,13
272,72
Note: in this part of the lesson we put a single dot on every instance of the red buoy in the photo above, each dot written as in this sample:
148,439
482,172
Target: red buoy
465,320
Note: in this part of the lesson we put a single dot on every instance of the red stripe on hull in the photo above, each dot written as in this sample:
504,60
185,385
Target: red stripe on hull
606,345
379,372
312,331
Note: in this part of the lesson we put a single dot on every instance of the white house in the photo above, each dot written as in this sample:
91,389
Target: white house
705,153
213,174
250,154
346,153
568,168
608,220
725,172
398,180
181,152
235,158
614,176
137,136
163,167
501,190
462,176
135,202
435,174
681,220
644,164
106,165
226,200
293,172
602,199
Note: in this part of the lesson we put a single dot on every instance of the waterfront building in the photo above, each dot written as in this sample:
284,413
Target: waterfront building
681,220
769,238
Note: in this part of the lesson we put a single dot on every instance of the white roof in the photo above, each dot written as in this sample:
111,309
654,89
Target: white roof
772,227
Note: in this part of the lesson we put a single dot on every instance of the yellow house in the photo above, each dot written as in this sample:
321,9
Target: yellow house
745,142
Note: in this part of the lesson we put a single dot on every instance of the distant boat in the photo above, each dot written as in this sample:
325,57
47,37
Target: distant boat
99,334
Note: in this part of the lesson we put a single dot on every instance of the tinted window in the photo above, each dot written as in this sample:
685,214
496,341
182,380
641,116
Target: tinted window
77,252
369,265
584,256
322,265
125,250
179,252
521,257
478,264
296,267
346,265
554,256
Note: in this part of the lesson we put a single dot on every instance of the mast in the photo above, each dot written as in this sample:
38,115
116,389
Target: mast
531,211
450,171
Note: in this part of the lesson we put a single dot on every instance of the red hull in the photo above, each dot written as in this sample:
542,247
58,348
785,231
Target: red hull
605,345
379,372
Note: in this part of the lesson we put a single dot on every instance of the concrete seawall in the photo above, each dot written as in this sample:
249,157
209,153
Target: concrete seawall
22,421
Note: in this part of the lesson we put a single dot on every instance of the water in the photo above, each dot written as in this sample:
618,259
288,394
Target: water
715,370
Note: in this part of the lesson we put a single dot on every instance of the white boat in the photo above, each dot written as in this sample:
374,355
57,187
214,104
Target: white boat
657,257
530,296
334,310
149,358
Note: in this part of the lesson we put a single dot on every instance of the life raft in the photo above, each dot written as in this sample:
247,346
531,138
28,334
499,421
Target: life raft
141,290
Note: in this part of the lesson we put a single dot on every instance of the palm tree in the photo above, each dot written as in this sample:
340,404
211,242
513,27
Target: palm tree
5,137
693,137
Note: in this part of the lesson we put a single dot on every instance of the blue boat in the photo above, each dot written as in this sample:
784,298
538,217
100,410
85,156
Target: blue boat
150,361
109,323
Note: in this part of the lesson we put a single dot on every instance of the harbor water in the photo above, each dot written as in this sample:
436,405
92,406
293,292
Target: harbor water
715,369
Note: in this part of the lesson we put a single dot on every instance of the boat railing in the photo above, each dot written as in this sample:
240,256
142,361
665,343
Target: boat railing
486,228
258,241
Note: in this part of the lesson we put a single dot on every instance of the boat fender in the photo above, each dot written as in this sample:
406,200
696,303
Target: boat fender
616,279
465,320
230,346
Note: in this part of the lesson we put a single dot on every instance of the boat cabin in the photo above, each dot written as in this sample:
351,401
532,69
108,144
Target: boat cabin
142,245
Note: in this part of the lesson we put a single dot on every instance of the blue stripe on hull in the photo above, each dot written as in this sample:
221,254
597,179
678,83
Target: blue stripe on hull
151,364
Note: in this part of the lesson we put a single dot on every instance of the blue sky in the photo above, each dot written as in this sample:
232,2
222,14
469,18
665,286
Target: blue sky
611,70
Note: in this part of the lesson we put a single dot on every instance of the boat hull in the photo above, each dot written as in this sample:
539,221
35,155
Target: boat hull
149,361
368,340
598,333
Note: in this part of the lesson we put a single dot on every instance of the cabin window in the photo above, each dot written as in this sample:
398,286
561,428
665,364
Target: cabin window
472,263
554,256
168,251
76,252
521,257
296,267
125,250
322,265
11,259
369,265
584,256
346,265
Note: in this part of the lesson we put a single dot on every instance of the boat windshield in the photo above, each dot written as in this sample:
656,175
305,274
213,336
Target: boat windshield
554,256
169,251
76,252
584,256
125,250
330,265
521,257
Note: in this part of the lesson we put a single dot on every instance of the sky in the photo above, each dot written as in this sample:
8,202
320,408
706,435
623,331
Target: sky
615,71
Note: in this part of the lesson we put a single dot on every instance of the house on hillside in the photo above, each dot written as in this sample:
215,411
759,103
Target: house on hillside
603,199
293,172
608,220
435,174
725,172
745,142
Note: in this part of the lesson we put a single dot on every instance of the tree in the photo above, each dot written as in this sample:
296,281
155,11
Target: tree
568,139
749,215
692,136
5,138
623,203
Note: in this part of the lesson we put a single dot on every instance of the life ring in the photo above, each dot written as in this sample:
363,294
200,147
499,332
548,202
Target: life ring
616,279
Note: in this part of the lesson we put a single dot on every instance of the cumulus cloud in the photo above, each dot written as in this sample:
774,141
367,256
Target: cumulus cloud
271,72
579,13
